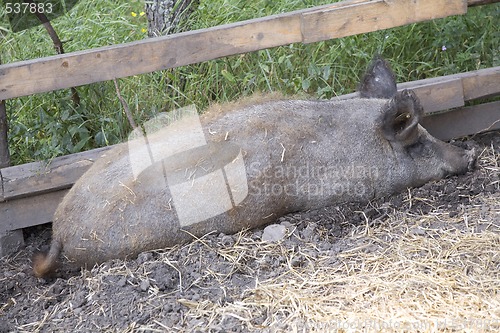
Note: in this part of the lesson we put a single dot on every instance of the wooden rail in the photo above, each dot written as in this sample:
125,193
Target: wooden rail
464,121
452,92
310,25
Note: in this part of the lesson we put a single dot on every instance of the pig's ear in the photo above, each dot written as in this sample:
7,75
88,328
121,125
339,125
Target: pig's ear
379,80
401,116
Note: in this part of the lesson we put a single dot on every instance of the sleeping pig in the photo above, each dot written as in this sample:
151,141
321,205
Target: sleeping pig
243,165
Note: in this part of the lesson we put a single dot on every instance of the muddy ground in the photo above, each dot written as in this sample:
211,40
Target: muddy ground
424,260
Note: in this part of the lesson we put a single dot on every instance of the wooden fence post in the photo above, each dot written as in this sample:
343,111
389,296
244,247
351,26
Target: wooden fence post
4,143
10,240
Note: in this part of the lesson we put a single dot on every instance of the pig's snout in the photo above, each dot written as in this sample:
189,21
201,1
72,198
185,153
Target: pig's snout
460,160
471,156
470,152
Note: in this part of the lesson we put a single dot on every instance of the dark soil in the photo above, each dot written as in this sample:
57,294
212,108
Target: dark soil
155,292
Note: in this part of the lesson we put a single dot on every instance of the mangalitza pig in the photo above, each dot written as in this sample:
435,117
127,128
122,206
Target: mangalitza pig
244,165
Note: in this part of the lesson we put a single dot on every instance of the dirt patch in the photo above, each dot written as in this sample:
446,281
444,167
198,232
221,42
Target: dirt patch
424,260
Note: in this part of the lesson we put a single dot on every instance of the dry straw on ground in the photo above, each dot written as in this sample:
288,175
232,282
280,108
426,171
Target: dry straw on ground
443,278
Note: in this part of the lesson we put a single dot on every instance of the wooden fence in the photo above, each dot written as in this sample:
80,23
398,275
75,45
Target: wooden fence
31,192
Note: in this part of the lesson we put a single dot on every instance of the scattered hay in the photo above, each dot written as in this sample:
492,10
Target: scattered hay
397,276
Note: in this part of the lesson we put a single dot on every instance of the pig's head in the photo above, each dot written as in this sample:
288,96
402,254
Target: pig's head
414,156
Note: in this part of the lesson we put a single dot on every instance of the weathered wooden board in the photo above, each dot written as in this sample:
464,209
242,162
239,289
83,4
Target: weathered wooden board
314,24
362,17
476,84
22,213
481,83
440,95
29,211
447,92
434,96
40,177
463,121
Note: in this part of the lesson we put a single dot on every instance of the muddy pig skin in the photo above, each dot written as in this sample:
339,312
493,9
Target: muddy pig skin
251,162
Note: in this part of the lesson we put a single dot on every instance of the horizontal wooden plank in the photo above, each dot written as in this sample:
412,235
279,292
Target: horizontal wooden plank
463,121
451,91
30,211
357,18
39,177
476,84
482,84
79,68
440,95
106,63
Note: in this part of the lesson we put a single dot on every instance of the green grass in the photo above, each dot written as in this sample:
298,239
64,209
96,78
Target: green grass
43,126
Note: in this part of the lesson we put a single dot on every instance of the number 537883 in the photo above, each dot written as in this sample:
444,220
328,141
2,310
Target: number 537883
28,7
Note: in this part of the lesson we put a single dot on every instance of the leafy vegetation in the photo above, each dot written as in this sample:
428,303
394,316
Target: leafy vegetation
43,126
